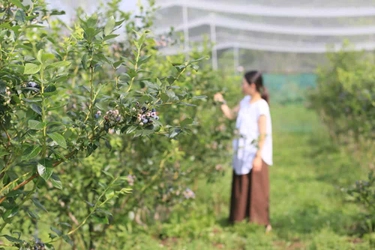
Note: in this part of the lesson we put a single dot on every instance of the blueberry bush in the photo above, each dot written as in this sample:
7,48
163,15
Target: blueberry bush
99,132
345,100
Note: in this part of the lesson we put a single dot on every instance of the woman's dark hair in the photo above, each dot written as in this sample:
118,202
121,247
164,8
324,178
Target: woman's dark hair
257,78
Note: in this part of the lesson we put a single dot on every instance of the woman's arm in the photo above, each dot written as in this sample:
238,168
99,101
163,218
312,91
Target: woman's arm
229,113
262,134
258,162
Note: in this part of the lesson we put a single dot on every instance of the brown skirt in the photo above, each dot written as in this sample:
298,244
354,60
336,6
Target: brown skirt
250,197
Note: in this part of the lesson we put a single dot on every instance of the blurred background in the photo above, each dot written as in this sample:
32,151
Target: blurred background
318,63
287,40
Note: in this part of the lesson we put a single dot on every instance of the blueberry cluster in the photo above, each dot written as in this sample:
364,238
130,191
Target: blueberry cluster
112,117
7,97
219,167
32,85
130,179
39,246
146,116
163,41
98,114
189,194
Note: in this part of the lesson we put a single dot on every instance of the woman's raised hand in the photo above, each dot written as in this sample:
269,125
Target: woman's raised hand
218,97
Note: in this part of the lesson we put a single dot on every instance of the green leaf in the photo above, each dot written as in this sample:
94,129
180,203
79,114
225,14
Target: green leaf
117,64
68,240
84,61
109,37
20,16
143,59
186,122
17,3
35,125
3,153
50,89
14,193
64,224
57,231
43,57
12,239
131,129
109,26
59,139
31,69
56,182
100,219
44,172
164,97
200,97
91,148
171,94
31,152
175,132
38,204
61,64
10,213
33,214
37,109
188,104
32,100
52,236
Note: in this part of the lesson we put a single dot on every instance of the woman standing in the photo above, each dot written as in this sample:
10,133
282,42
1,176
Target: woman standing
252,152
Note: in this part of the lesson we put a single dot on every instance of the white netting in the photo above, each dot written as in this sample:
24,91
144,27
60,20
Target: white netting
300,30
295,29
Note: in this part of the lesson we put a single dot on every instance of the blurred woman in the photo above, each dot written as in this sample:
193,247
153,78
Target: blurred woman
252,152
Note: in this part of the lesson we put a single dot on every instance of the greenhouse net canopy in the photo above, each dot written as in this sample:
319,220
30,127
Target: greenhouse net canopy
258,33
269,29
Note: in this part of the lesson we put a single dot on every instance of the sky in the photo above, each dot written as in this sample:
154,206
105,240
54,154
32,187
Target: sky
70,5
129,4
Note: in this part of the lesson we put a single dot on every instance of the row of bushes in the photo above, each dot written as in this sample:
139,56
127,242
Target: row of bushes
98,134
345,100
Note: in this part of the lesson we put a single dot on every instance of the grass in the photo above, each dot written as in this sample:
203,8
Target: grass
308,208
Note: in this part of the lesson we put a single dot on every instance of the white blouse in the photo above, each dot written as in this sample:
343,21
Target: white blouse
245,145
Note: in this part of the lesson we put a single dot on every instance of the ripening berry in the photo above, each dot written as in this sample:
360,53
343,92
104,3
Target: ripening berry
32,85
153,110
153,114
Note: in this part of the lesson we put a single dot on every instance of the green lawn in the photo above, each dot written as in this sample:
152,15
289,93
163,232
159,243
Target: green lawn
308,208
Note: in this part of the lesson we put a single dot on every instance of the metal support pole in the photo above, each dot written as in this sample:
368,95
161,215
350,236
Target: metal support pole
236,58
213,40
186,28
